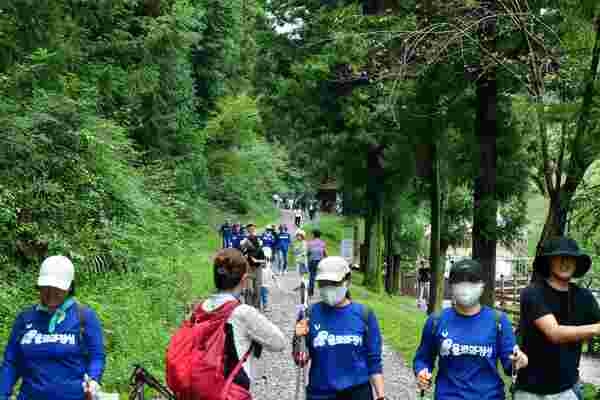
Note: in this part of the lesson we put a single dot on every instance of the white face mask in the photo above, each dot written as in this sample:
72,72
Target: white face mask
467,294
333,295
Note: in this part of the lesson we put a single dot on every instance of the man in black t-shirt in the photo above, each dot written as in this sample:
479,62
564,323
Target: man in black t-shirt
557,316
423,275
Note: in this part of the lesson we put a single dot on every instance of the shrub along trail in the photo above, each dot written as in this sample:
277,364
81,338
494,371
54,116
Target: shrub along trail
275,373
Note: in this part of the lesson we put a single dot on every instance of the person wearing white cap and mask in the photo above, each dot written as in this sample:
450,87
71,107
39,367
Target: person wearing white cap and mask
468,340
56,347
343,339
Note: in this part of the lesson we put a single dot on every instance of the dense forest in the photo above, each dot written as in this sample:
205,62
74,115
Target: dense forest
453,111
130,128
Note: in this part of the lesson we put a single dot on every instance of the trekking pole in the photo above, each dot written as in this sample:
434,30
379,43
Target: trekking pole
300,352
514,373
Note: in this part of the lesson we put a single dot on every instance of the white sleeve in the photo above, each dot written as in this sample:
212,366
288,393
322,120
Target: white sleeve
259,328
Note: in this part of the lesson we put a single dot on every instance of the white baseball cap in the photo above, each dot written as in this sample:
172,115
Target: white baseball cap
333,269
57,272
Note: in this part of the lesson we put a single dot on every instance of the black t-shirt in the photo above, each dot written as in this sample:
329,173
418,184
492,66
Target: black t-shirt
553,368
254,250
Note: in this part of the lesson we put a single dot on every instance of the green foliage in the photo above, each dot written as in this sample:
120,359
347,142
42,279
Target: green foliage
108,156
409,220
584,223
95,98
241,163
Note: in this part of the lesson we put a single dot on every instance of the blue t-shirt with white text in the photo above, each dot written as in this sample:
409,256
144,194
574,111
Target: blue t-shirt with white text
344,349
52,365
269,238
467,349
283,241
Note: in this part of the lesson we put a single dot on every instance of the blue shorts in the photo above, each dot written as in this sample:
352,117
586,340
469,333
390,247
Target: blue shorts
302,268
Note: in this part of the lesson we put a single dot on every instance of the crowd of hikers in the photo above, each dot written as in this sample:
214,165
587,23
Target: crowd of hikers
56,347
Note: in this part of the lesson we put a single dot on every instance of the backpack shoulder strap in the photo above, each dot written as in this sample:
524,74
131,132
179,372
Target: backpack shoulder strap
24,316
498,319
498,324
81,310
435,321
365,312
82,320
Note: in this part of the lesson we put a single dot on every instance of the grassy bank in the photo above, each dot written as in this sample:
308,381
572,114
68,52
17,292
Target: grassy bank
140,309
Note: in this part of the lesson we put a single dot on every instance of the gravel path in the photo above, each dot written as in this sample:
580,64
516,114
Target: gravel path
275,373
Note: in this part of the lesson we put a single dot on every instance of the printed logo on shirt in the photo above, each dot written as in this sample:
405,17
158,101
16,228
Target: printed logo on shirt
317,326
449,348
34,337
324,338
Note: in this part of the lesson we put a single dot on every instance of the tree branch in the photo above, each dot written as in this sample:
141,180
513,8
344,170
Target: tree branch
579,162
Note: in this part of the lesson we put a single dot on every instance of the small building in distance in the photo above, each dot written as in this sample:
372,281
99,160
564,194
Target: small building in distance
327,195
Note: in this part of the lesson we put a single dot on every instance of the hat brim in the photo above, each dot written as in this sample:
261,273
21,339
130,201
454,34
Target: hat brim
541,263
329,276
53,282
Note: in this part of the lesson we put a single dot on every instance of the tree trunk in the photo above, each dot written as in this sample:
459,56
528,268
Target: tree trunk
561,195
484,194
396,274
556,220
485,203
364,254
355,242
373,279
389,254
380,7
436,292
374,235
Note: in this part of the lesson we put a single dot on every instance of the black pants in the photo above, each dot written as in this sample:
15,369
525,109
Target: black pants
359,392
312,275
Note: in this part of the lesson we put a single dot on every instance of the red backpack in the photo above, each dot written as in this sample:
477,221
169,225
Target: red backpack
196,358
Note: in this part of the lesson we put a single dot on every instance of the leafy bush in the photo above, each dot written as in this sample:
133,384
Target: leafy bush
241,163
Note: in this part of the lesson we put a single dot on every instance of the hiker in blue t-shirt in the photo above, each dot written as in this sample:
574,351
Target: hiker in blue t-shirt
226,233
269,237
283,244
343,338
236,237
468,339
56,347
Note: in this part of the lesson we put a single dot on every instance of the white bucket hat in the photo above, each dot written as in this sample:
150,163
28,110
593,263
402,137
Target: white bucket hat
333,269
57,272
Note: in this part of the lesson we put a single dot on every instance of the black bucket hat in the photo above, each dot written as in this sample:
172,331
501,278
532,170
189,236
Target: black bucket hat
561,246
467,270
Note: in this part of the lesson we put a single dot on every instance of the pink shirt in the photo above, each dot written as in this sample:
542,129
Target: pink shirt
316,250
